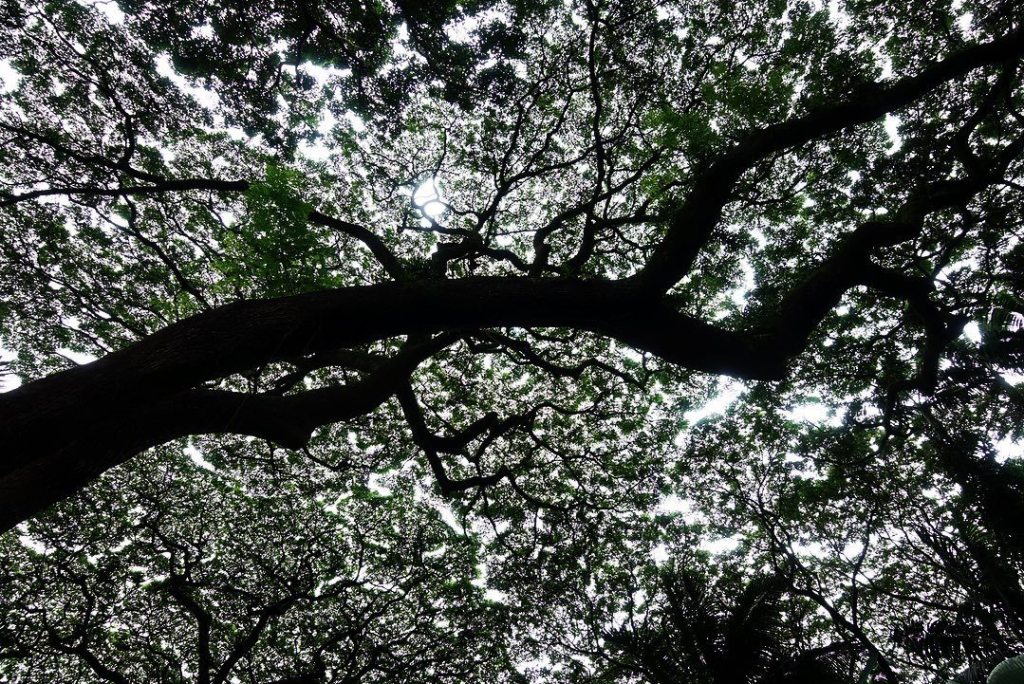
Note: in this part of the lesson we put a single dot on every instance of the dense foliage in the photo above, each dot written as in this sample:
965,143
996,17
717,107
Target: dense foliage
517,341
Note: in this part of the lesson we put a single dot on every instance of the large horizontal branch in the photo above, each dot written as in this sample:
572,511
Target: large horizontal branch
144,395
40,415
61,431
692,224
284,420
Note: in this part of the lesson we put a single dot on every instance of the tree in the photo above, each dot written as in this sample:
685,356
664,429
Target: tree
218,592
493,254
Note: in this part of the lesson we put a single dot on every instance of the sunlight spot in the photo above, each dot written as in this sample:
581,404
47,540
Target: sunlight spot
323,74
1008,449
886,63
972,332
892,129
357,123
815,413
206,98
8,379
1013,378
204,31
738,294
80,358
810,549
674,504
317,152
109,9
449,517
852,550
965,23
374,484
9,78
728,392
32,543
427,198
436,553
480,581
660,554
720,546
197,457
838,14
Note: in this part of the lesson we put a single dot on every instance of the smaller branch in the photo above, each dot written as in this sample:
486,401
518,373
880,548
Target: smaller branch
524,349
244,646
428,441
385,257
175,185
175,588
915,291
807,304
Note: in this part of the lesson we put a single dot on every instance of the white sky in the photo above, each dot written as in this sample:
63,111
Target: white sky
8,77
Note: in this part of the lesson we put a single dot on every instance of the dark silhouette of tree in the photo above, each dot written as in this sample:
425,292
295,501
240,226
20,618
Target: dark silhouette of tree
485,258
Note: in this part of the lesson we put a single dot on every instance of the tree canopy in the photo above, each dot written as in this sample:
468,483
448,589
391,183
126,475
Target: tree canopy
511,340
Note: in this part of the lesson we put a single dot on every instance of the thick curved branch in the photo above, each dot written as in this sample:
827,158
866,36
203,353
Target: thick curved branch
40,416
95,664
693,223
66,426
807,304
490,427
